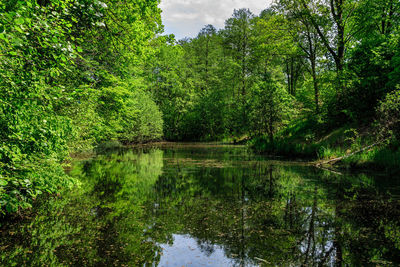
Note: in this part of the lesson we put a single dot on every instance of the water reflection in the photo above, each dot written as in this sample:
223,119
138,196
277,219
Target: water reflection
209,206
187,251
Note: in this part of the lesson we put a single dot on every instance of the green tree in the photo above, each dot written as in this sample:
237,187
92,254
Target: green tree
338,15
307,39
271,108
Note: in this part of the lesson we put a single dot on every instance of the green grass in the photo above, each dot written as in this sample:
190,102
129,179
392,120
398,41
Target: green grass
305,139
379,159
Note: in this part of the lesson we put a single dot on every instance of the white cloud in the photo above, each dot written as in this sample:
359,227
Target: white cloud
185,18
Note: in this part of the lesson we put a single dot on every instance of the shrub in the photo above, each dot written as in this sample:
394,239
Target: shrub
389,115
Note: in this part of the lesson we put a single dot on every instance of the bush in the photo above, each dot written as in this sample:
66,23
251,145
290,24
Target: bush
389,115
128,115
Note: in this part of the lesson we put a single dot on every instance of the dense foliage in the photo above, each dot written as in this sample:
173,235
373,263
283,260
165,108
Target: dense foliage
68,80
298,59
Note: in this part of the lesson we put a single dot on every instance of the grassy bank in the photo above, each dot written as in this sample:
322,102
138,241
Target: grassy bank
313,141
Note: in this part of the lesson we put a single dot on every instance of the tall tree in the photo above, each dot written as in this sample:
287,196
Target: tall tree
306,37
339,14
205,45
237,42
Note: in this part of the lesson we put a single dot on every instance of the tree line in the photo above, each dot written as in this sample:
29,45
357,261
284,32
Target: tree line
333,61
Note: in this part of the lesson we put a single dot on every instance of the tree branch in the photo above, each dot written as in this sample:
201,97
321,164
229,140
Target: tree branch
321,35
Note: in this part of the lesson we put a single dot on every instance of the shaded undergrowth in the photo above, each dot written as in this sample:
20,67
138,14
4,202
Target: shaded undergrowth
306,139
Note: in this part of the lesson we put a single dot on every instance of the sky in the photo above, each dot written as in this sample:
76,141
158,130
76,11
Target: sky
185,18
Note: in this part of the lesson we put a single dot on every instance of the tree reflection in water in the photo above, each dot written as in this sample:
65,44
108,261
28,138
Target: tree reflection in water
217,203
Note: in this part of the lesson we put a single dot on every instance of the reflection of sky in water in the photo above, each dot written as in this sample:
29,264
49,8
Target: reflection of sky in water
185,251
319,243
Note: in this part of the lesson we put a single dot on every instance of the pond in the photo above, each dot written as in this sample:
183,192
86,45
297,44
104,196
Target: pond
208,205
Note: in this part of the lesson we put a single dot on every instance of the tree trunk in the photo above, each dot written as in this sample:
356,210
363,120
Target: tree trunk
339,60
336,8
315,83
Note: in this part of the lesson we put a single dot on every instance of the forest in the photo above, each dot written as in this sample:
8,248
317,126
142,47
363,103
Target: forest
309,79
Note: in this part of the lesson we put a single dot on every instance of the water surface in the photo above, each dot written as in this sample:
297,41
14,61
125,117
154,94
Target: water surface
208,205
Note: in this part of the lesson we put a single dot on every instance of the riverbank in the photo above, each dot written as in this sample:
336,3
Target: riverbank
349,147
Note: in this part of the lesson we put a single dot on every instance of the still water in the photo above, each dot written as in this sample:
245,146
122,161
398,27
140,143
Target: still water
208,205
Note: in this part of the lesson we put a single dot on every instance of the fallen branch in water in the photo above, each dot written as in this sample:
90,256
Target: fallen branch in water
262,260
328,169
